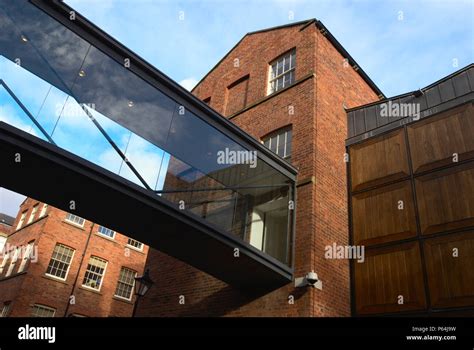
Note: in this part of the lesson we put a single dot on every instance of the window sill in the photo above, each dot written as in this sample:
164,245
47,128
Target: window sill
55,279
74,225
135,249
267,97
105,237
89,289
123,300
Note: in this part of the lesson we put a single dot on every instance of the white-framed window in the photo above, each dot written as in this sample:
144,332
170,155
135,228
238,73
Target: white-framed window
6,308
60,261
279,142
22,220
43,210
16,253
282,72
32,215
6,256
95,272
135,244
76,220
26,256
42,311
3,241
106,232
126,283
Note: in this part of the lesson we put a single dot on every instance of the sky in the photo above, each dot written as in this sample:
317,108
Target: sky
401,45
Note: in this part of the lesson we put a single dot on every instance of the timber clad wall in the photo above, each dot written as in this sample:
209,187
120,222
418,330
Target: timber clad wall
324,85
412,197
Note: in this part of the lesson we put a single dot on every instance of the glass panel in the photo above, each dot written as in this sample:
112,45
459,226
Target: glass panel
286,63
281,145
71,87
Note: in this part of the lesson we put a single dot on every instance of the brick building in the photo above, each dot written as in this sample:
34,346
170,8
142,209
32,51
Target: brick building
58,264
288,87
6,222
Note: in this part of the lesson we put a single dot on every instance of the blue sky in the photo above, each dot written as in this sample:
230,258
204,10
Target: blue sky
402,46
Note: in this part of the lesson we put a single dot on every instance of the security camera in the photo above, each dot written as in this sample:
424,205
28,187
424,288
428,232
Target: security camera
311,278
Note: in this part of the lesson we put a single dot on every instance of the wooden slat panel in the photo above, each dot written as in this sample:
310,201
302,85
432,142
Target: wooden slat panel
451,278
386,274
434,141
377,217
378,160
446,199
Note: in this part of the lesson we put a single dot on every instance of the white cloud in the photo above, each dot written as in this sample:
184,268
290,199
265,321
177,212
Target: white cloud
9,116
188,83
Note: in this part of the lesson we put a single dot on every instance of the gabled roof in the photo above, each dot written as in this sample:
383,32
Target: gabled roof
6,219
322,28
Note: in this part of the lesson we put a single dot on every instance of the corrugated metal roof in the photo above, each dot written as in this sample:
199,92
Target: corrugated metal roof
372,119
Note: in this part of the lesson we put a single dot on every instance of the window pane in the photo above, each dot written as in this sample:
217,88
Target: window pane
106,232
135,244
60,261
42,311
94,273
281,145
125,283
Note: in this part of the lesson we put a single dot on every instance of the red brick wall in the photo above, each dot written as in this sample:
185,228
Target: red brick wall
34,287
338,85
319,132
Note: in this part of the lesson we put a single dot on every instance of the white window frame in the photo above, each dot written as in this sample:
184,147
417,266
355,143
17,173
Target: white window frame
31,218
6,309
44,307
276,135
105,235
26,256
133,247
69,265
71,221
273,76
22,220
102,277
11,267
43,210
6,256
133,285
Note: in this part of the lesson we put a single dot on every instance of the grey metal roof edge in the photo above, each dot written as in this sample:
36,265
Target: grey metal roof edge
351,60
468,98
304,23
406,94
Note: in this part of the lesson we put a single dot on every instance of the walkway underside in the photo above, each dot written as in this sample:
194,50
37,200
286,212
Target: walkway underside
52,175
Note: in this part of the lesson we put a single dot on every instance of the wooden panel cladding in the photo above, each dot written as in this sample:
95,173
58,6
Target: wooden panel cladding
446,199
384,214
379,160
386,276
434,141
450,269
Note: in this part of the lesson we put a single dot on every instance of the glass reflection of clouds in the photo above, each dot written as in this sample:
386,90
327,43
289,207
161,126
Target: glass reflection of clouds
95,107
